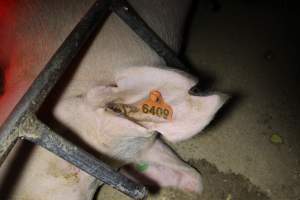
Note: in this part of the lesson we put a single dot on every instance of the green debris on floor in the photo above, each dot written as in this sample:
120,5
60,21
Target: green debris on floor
229,197
276,139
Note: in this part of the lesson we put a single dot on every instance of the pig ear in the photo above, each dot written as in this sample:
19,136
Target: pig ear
191,115
100,95
145,78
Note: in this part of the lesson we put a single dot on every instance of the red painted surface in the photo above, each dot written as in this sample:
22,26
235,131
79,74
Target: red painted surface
7,31
8,62
26,44
29,35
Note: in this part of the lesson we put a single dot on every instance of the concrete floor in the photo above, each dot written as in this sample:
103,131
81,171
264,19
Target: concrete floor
248,49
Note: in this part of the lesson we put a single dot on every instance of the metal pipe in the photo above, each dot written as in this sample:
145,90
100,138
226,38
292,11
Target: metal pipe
128,14
46,80
38,133
125,11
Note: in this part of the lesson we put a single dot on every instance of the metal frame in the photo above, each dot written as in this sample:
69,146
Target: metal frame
23,123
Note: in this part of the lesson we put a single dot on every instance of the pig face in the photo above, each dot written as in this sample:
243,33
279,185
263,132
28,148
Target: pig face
99,110
190,113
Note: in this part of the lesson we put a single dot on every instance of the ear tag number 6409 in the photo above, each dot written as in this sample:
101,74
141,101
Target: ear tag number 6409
155,105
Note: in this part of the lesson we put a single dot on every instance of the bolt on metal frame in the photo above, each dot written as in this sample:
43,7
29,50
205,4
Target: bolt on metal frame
23,123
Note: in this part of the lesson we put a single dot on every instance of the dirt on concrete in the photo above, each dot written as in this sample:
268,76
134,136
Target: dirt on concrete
217,186
227,186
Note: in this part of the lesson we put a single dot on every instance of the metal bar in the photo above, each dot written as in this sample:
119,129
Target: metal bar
8,139
125,11
38,133
46,80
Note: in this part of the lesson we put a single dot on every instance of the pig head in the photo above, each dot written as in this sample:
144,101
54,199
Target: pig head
131,85
132,139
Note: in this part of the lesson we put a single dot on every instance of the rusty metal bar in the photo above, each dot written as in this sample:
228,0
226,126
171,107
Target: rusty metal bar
46,80
37,132
127,13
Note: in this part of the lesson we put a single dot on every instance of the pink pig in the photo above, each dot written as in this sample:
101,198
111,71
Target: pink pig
118,67
132,140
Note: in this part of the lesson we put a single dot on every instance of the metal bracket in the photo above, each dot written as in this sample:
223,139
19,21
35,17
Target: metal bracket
23,123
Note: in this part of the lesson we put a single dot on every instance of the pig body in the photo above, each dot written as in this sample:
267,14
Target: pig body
135,141
103,75
120,138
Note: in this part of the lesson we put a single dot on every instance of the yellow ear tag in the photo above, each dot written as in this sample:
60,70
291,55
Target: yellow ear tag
155,105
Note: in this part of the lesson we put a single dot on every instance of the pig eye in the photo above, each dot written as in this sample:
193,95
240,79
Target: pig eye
197,91
194,90
116,109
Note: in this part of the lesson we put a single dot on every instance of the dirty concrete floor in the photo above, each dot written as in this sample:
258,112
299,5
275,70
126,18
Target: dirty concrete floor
218,185
248,49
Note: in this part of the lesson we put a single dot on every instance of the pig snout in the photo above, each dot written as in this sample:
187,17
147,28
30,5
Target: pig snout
160,167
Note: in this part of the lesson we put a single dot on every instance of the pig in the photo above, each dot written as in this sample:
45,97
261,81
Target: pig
117,68
132,140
